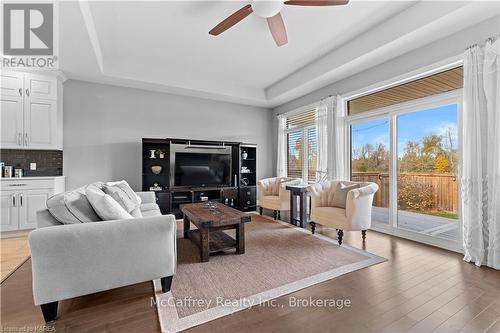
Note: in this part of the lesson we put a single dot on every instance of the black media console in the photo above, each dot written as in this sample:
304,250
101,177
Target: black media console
237,179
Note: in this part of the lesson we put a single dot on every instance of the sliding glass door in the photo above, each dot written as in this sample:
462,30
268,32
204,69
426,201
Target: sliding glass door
427,159
370,159
411,151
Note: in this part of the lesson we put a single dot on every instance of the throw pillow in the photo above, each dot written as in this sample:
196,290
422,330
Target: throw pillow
72,207
124,195
340,194
104,205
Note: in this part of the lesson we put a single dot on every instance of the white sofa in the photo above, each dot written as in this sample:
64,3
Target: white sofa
357,214
79,259
273,194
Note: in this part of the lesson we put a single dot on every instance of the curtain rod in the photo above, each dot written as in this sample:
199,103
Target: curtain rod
304,106
490,39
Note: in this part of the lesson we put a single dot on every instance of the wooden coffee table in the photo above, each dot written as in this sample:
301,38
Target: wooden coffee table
211,218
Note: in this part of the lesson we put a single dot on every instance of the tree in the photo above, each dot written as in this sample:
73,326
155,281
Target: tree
432,145
371,158
433,153
449,143
442,164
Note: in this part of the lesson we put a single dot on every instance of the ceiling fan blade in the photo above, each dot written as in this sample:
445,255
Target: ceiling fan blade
231,20
277,27
316,2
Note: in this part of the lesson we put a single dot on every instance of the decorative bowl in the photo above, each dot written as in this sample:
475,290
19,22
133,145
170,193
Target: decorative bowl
156,169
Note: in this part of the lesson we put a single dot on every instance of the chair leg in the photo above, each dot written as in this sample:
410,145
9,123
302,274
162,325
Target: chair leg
261,210
340,235
166,283
49,311
363,234
275,214
313,226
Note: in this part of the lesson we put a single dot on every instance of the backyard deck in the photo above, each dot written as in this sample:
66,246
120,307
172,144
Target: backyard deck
425,224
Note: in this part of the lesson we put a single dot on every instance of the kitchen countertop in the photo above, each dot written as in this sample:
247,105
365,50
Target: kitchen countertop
30,178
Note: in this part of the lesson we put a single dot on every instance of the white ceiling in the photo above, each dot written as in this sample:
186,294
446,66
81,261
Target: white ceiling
165,46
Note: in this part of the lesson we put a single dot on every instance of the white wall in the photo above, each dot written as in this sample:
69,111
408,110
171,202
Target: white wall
104,125
432,53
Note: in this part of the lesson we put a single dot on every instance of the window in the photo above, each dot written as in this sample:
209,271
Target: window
427,171
370,151
301,145
294,159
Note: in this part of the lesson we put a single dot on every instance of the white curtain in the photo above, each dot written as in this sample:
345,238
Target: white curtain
322,138
331,139
491,79
480,184
281,158
339,151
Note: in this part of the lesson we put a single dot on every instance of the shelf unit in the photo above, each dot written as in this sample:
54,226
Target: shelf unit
148,177
248,180
169,198
162,179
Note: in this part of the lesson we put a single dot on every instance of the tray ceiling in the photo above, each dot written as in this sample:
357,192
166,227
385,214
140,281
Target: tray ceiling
165,46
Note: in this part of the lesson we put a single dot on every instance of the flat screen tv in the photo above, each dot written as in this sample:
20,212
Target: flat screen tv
202,169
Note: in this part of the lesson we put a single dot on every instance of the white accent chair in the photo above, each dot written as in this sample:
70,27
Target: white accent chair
274,195
357,214
79,259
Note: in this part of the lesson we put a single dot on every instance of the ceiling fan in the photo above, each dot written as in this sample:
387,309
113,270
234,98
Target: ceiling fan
270,10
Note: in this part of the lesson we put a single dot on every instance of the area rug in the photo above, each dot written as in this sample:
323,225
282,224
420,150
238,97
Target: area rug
279,259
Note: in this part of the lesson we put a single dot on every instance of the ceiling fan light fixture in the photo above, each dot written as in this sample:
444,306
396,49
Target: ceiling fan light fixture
266,8
270,10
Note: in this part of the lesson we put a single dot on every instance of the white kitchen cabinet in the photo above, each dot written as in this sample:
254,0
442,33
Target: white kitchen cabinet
21,198
30,202
12,117
40,124
12,84
9,211
39,86
31,110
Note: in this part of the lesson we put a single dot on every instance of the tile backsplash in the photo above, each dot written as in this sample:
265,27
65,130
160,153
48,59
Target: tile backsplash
48,162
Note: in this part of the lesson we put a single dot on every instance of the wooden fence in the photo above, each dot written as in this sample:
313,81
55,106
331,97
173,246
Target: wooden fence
444,187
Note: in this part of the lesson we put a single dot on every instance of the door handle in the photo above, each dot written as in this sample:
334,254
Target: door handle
21,199
13,200
20,91
27,92
20,139
25,139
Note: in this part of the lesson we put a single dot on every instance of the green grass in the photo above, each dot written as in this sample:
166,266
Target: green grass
448,215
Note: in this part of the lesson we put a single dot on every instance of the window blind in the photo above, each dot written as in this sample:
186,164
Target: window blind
312,154
294,154
302,148
302,119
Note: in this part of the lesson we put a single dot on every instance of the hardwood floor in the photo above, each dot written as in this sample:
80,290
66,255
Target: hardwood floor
13,252
419,289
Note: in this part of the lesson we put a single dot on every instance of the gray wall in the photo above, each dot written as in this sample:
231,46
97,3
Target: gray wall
432,53
104,125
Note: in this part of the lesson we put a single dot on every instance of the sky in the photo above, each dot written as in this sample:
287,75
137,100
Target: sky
411,127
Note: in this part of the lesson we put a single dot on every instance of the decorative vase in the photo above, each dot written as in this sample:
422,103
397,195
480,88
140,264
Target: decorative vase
156,169
153,153
244,155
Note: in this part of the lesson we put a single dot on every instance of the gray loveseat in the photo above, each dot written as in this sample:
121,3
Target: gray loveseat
85,258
